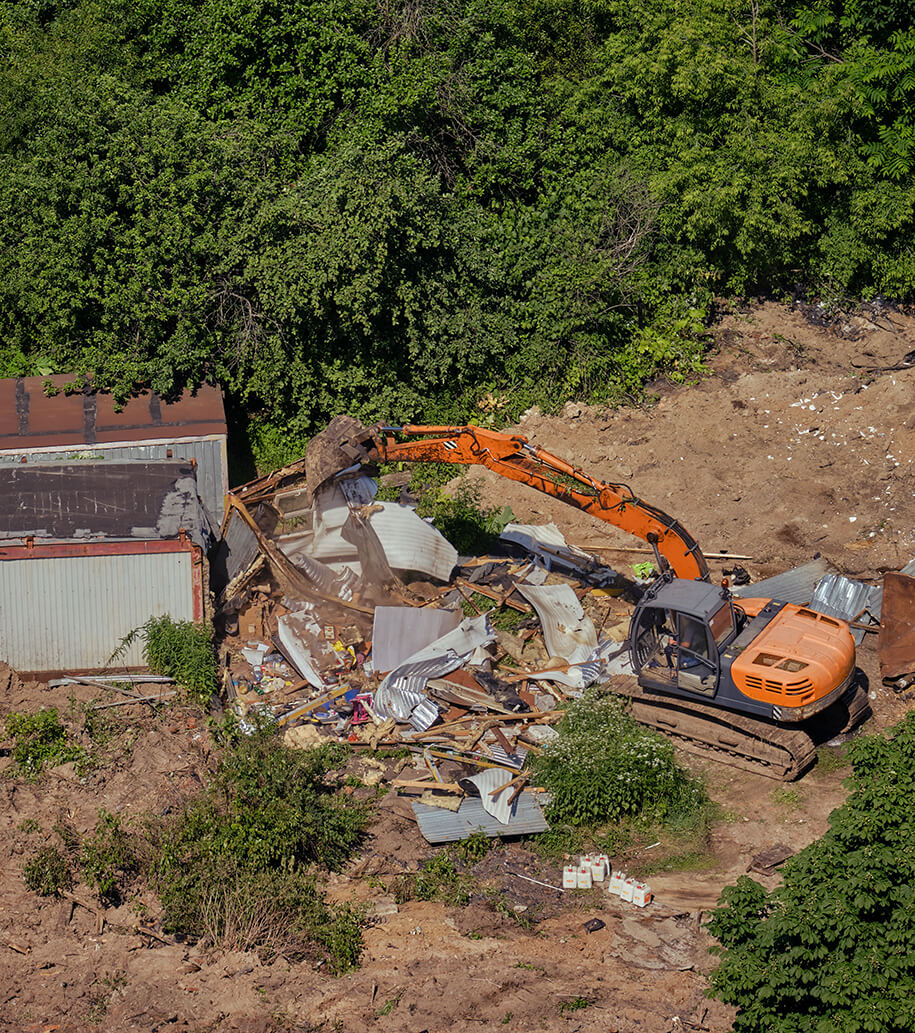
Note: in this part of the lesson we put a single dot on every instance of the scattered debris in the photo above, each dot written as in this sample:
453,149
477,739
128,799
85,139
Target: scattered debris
793,586
851,601
765,862
350,619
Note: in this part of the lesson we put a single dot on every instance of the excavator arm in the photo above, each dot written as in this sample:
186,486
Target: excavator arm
512,456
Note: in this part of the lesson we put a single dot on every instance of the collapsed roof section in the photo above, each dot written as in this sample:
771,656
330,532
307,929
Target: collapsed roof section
118,501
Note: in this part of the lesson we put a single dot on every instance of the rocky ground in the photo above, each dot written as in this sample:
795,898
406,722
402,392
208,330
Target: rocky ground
799,442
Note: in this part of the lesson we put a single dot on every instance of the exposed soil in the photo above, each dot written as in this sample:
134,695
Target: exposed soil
786,450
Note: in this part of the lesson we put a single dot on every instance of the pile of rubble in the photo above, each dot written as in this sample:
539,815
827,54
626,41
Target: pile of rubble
351,619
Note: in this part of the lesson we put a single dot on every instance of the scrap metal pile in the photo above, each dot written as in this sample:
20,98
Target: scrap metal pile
356,620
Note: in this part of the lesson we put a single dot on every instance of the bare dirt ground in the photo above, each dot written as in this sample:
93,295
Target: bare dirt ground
787,450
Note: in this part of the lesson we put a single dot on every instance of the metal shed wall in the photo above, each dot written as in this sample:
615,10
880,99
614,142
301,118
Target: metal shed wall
66,608
209,452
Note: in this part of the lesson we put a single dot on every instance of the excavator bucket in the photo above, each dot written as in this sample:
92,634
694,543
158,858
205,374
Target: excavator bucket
338,446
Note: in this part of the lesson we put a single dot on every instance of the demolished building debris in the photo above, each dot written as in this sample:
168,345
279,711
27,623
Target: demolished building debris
373,631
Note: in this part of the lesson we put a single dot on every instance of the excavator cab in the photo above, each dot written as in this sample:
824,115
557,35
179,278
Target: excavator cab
678,632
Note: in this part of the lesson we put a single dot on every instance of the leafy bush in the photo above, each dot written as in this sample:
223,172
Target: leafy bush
181,650
462,518
440,879
231,866
48,873
40,740
605,767
108,857
833,947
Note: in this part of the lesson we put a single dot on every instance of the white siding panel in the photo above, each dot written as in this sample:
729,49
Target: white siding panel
71,613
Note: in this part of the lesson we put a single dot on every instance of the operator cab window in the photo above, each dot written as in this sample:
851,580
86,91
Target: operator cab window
692,637
697,666
722,624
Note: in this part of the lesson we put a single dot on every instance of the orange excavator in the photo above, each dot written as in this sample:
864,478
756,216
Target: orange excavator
757,684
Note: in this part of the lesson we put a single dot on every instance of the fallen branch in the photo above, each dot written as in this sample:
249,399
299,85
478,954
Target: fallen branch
143,931
135,699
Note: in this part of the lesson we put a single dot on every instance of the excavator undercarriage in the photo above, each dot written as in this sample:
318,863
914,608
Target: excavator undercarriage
742,741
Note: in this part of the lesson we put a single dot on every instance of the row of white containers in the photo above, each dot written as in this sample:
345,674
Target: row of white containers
595,868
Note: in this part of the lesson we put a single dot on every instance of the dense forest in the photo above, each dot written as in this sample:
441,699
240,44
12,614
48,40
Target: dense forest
432,209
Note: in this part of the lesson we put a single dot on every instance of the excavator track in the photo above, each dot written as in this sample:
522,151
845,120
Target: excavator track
777,751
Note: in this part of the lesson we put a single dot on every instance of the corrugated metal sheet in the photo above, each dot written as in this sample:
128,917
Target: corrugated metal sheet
568,633
235,553
404,688
398,632
441,826
838,596
794,586
491,787
209,452
410,543
66,612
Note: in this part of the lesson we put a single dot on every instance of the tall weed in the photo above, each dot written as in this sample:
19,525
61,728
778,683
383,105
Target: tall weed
181,650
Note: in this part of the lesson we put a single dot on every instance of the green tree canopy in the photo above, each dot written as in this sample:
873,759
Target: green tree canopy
398,206
832,950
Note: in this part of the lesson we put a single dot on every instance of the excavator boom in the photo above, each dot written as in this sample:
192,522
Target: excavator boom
512,456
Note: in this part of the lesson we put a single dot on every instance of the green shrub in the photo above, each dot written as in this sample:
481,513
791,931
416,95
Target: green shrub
39,741
605,767
181,650
48,873
231,865
462,518
833,947
446,877
440,879
108,857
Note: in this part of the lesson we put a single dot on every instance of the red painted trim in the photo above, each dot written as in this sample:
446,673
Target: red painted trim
69,549
197,583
